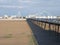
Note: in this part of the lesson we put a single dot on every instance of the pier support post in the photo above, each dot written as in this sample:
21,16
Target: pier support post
47,26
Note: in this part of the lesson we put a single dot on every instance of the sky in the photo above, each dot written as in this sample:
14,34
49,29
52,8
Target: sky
27,7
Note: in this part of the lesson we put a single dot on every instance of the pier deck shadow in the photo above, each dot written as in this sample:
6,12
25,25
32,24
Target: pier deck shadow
42,36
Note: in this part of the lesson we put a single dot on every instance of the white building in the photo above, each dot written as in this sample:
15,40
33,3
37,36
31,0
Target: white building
0,17
14,17
36,16
31,16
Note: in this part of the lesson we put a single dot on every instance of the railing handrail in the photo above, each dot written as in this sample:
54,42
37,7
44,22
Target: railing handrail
47,22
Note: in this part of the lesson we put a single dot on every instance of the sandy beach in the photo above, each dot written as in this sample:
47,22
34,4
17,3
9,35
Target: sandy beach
15,33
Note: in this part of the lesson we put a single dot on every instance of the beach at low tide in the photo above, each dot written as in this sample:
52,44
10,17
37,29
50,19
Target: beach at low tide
15,32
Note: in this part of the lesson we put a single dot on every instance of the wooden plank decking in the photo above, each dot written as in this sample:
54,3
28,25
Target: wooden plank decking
44,37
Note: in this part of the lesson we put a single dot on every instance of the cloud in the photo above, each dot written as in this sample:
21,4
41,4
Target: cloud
27,1
10,6
24,1
3,1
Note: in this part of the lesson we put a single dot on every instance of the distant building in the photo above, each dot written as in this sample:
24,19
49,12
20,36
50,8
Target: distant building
0,17
36,16
58,17
31,16
14,17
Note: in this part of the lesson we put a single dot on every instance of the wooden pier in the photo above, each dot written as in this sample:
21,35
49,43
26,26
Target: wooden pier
47,25
46,33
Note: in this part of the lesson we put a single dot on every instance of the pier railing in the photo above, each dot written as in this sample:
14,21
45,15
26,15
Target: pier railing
53,26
